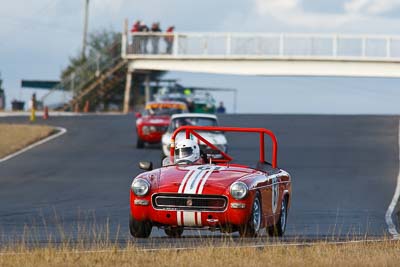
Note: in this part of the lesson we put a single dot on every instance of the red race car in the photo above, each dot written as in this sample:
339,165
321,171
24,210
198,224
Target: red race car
153,123
192,191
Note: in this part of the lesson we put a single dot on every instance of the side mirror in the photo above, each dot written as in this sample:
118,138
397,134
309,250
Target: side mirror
138,115
146,165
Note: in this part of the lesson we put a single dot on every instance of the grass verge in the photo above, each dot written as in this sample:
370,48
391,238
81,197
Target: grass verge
386,253
14,137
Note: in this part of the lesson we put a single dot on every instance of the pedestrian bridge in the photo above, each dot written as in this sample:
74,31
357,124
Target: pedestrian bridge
272,54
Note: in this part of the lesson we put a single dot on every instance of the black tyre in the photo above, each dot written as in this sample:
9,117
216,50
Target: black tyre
174,232
279,228
253,226
139,229
139,143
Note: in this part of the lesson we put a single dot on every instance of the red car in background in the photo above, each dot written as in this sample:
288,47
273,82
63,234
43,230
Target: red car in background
154,121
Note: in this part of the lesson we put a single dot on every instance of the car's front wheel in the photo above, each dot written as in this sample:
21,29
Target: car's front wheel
253,226
173,231
279,228
140,229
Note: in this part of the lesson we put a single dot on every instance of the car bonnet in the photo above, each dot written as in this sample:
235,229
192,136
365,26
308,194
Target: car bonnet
199,179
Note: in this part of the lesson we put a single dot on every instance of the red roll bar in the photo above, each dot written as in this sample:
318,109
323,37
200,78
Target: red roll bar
191,130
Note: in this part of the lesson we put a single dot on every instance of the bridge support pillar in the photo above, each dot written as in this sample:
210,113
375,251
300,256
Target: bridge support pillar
127,96
147,88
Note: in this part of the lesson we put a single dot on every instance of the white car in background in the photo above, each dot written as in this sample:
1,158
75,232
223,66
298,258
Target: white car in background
196,119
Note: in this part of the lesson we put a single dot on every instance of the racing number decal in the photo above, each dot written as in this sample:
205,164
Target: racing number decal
275,194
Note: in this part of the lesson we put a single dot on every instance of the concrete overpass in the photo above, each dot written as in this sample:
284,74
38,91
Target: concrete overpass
269,54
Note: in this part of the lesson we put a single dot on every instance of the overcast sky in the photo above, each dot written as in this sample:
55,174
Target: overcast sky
37,37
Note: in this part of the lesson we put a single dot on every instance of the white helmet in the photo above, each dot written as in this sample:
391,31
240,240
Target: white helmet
186,150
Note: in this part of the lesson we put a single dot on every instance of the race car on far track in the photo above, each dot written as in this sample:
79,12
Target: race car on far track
152,124
194,192
217,138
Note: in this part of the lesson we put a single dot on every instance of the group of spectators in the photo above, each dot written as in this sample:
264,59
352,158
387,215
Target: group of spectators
152,34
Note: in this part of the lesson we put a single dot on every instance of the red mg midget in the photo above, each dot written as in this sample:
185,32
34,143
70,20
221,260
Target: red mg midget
192,191
153,123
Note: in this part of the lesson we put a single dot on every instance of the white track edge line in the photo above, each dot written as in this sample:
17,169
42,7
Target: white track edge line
47,139
389,213
215,247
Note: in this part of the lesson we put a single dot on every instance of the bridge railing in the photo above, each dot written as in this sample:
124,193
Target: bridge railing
273,45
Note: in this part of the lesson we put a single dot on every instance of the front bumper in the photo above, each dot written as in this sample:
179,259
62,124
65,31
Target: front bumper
236,213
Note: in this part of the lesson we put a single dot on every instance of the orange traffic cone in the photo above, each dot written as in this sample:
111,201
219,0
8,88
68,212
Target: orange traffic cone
46,113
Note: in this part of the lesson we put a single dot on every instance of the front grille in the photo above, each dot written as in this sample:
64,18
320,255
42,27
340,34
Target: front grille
189,202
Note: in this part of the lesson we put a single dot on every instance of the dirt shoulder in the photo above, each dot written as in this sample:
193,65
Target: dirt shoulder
14,137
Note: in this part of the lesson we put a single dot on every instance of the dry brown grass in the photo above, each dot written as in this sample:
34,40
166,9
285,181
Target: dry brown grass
385,253
14,137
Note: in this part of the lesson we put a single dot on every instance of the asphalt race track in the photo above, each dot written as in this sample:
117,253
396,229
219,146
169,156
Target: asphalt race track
344,171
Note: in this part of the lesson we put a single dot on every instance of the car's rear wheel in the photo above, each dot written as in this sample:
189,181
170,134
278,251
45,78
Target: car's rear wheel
279,228
140,229
253,226
139,143
173,231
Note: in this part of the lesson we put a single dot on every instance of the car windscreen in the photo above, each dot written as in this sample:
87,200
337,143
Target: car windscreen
191,121
170,161
162,111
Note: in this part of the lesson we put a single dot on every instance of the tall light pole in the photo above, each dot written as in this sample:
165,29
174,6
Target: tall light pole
85,27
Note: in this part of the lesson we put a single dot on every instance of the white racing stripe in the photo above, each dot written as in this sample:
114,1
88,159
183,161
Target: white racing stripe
180,190
389,213
192,172
193,183
178,217
198,215
51,137
189,218
188,174
204,181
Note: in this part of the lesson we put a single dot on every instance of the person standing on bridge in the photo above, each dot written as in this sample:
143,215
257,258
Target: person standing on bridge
155,38
135,39
143,38
169,39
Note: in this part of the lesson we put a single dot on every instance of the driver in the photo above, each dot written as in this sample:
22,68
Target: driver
186,151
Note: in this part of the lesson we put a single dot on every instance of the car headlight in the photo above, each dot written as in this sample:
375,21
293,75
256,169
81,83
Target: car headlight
239,190
146,130
140,187
153,129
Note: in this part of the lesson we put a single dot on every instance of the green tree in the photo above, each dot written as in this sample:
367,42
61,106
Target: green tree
1,84
104,51
2,95
103,45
